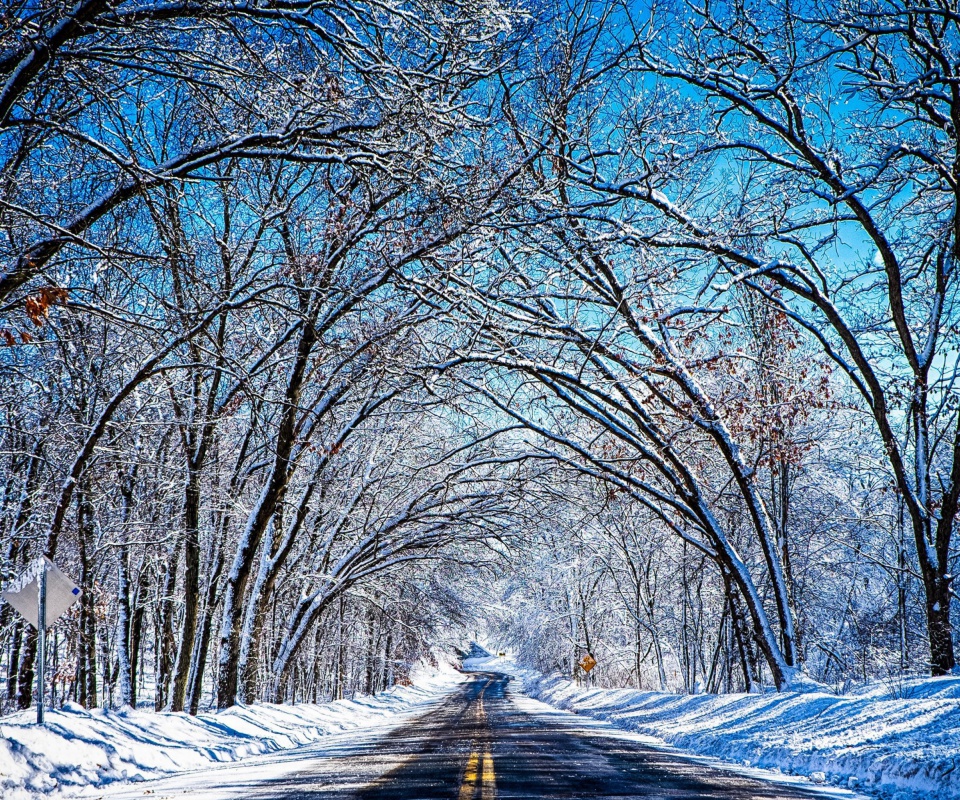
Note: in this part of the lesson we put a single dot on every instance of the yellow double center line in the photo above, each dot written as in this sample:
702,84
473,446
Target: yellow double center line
479,775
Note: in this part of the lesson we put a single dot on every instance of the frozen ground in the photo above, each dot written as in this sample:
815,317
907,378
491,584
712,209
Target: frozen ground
78,752
900,742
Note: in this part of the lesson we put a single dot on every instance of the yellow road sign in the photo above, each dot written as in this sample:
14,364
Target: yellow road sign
588,662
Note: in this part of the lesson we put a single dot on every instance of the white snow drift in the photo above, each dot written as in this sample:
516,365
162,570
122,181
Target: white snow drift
899,742
78,748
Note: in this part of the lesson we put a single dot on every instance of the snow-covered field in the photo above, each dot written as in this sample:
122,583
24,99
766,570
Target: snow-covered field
78,749
899,742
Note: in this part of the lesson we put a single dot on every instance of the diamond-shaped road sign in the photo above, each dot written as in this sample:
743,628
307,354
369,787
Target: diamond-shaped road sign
588,662
24,592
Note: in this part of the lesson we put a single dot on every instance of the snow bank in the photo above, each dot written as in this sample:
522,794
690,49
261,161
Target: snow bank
899,742
78,748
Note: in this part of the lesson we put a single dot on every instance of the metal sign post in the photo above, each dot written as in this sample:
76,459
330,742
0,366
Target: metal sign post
41,595
41,643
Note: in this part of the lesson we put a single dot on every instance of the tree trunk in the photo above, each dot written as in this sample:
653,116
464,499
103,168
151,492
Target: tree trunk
939,628
368,686
15,556
741,631
87,655
124,620
167,639
341,653
275,553
124,625
13,666
255,617
203,645
388,661
28,661
259,518
136,631
206,630
191,588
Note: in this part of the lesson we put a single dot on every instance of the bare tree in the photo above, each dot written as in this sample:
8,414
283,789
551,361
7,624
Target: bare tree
841,124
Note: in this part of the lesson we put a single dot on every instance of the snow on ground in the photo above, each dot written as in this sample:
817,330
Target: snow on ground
896,741
77,748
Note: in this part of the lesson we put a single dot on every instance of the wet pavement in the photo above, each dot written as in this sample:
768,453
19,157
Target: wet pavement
481,745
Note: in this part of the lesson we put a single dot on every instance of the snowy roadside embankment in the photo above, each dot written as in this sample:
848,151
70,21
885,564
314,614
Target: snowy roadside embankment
78,748
902,744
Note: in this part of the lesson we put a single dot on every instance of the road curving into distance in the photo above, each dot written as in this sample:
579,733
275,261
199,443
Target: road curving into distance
481,745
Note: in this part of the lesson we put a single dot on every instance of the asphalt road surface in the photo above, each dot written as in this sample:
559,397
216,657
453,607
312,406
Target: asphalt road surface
480,745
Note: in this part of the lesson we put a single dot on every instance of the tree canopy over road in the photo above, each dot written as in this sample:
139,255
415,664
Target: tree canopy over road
332,330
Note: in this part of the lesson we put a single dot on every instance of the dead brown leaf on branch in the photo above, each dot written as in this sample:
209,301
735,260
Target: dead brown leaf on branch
37,308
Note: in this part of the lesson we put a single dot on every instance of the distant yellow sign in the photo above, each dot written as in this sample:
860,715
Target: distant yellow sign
588,662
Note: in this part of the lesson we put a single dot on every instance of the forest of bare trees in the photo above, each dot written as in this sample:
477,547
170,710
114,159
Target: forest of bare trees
334,333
